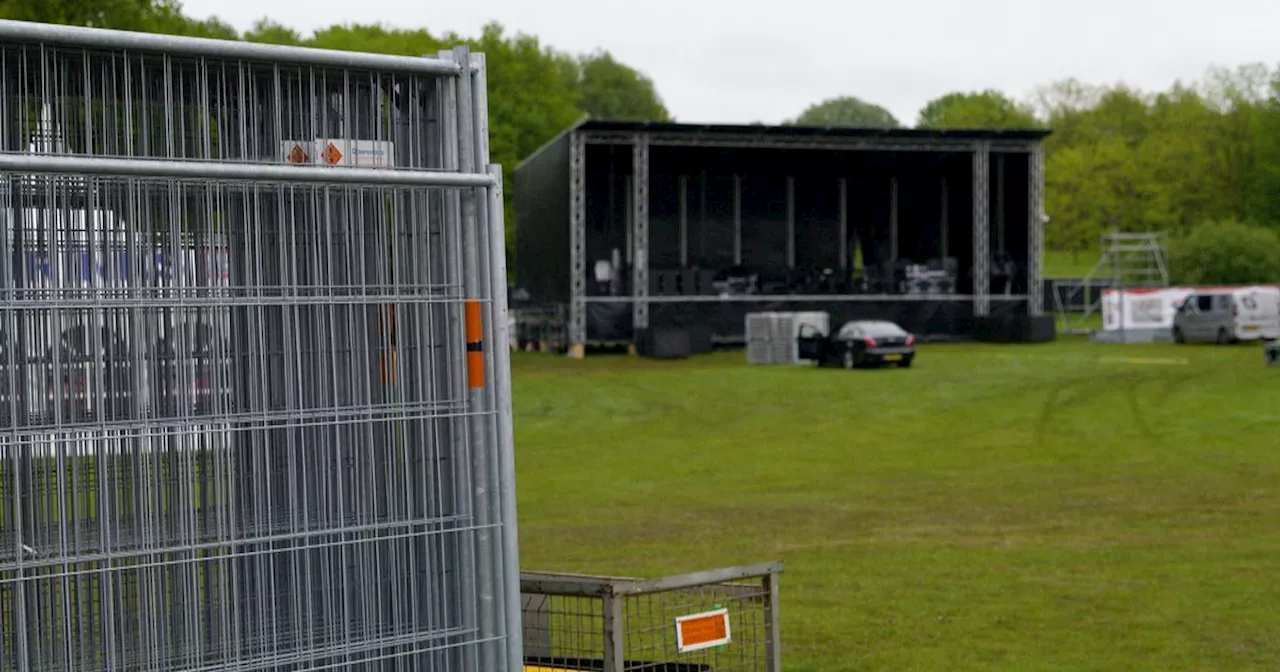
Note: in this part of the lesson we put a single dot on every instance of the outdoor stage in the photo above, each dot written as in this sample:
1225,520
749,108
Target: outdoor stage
636,226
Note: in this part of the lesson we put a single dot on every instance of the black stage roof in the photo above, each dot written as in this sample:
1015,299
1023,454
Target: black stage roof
606,126
761,132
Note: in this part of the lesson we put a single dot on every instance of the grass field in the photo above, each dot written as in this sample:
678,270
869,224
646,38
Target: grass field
1064,506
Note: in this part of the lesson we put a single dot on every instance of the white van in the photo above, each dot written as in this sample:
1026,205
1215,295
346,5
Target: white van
1228,315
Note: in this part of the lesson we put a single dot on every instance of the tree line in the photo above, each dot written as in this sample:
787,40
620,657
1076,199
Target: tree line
1200,154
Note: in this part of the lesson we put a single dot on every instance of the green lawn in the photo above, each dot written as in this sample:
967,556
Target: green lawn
995,507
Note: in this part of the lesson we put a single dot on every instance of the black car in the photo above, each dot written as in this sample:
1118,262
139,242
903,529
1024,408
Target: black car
859,344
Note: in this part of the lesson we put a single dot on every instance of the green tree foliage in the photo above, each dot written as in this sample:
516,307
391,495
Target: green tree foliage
147,15
607,89
270,32
1226,252
846,111
1119,158
985,109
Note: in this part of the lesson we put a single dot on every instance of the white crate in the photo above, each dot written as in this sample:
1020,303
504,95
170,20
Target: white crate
771,337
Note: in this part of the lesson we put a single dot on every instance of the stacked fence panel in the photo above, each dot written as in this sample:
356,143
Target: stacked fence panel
773,337
247,423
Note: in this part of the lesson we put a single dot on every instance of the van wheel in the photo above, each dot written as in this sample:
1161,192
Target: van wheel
1223,337
1178,337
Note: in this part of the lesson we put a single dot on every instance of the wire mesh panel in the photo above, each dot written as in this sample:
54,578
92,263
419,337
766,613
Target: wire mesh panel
565,631
652,642
576,622
248,418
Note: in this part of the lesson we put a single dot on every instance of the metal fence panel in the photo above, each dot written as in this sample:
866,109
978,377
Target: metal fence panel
255,405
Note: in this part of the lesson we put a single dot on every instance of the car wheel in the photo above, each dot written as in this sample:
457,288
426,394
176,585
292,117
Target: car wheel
905,363
849,361
1178,337
1223,338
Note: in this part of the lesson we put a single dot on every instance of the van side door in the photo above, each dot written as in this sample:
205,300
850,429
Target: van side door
1223,315
1198,312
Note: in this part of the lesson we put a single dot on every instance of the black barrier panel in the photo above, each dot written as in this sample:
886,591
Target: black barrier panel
727,320
664,343
609,322
1015,329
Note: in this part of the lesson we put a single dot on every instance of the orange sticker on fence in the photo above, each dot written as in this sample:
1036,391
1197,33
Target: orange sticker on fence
702,631
475,344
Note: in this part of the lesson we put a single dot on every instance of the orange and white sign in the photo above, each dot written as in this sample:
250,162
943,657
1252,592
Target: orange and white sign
339,152
297,155
331,154
702,631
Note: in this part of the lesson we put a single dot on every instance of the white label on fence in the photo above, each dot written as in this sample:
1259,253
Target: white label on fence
702,631
338,152
353,153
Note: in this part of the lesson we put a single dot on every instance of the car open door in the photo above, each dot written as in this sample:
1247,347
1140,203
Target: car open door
811,343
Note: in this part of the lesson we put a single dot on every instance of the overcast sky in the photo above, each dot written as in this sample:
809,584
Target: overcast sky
765,60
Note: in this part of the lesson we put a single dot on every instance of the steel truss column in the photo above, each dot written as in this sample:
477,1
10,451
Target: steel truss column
640,237
981,229
577,241
1035,236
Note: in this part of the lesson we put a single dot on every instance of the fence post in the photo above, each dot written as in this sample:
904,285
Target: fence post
613,633
773,640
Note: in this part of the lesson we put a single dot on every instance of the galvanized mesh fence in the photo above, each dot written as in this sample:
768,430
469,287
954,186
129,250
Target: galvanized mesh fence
251,412
594,623
563,629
